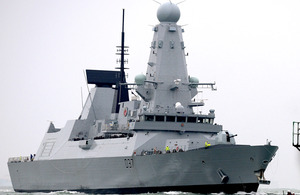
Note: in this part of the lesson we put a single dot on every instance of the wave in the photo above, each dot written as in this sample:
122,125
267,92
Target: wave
280,191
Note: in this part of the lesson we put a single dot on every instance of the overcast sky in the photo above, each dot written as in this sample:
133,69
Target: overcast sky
250,48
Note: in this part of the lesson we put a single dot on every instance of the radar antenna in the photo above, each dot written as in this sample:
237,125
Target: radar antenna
157,2
180,2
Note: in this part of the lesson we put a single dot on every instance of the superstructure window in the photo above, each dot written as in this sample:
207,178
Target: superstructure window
160,118
181,119
170,119
206,120
191,119
149,118
200,120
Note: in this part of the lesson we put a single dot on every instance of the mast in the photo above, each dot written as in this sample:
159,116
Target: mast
122,94
123,79
113,79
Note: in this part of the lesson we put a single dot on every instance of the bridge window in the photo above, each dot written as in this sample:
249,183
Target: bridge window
160,118
170,118
149,118
200,120
191,119
181,119
206,120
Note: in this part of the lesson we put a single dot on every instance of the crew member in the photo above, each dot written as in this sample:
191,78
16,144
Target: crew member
227,136
207,144
167,149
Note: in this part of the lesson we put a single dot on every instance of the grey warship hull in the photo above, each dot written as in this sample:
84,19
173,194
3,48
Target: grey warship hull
157,141
191,171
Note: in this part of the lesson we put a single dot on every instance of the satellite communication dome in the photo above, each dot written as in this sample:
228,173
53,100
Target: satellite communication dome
168,12
140,79
193,80
179,108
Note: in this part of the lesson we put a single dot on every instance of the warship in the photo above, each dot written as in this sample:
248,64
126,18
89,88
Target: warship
154,142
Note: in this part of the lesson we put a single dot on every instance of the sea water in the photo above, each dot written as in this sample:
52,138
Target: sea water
281,191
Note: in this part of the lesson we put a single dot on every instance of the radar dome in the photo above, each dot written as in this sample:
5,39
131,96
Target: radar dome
179,108
195,81
140,79
168,12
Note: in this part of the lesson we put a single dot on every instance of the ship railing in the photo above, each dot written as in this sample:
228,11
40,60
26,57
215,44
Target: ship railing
19,159
153,152
130,85
211,86
202,85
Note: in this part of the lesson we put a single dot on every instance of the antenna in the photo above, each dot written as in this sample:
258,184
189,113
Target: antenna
157,2
122,94
122,51
180,2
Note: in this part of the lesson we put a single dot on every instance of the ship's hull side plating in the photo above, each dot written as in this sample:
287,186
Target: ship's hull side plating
191,171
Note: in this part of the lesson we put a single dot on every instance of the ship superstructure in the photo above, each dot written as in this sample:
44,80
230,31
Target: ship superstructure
155,142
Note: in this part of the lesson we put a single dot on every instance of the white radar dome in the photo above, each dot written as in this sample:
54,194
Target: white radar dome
168,12
179,108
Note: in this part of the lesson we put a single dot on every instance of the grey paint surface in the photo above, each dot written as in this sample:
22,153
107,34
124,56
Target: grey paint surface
196,167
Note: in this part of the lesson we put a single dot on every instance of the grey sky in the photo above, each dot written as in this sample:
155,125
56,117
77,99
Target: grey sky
250,48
